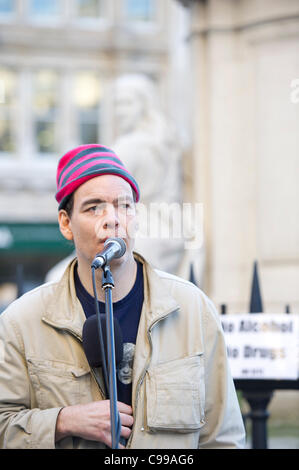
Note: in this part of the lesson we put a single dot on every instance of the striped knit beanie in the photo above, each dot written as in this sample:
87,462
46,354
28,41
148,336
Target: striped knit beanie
85,162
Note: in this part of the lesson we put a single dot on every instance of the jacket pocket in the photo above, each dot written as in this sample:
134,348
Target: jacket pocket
175,395
57,383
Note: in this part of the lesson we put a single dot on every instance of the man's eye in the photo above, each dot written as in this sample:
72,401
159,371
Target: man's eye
126,206
96,209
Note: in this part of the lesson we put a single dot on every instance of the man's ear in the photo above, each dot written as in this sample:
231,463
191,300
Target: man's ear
65,224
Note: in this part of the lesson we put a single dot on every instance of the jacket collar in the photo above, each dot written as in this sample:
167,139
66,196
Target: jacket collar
158,301
65,310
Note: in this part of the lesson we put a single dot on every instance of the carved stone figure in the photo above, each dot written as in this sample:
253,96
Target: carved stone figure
149,146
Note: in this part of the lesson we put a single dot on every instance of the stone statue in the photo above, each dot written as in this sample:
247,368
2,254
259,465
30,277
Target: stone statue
145,141
149,146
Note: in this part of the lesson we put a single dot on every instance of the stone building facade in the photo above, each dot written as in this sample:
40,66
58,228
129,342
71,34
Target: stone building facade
245,90
58,60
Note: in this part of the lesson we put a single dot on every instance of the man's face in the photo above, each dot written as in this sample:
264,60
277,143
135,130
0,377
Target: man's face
103,207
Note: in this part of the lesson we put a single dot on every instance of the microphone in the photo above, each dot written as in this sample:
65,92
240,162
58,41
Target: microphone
113,248
91,344
91,340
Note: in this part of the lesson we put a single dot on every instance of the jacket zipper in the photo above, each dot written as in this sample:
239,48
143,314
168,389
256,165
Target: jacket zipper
142,375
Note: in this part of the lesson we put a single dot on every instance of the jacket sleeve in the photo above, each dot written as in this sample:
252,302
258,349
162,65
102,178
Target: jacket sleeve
21,426
224,426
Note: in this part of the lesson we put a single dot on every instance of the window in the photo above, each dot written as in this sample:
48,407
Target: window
87,97
45,110
89,8
140,10
8,100
44,8
59,106
7,6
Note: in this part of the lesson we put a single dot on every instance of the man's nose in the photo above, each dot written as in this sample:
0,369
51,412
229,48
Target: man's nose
111,219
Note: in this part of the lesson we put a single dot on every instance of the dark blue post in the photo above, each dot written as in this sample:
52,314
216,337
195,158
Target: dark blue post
256,304
257,399
191,275
223,309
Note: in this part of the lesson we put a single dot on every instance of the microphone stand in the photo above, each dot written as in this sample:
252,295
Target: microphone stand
107,286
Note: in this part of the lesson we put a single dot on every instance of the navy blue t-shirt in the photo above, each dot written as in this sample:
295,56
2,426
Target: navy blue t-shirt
127,311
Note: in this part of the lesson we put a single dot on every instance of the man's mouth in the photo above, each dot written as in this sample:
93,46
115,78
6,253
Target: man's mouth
103,240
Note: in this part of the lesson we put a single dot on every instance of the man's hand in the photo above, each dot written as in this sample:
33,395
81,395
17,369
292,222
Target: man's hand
92,422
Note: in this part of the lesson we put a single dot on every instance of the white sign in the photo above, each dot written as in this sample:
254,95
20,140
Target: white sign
262,345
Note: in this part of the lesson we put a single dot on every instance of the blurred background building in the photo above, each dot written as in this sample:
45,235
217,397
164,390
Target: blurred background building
58,61
245,145
245,154
227,72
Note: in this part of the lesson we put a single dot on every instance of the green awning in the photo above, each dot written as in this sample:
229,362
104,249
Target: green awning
33,238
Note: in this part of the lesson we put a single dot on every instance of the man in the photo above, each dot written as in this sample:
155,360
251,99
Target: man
180,393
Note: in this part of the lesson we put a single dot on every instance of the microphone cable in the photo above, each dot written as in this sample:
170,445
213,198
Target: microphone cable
104,363
100,332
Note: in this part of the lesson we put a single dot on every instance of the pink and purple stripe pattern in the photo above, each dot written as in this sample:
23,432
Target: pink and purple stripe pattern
85,162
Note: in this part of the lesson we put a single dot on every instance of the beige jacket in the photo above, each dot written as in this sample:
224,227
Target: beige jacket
183,394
